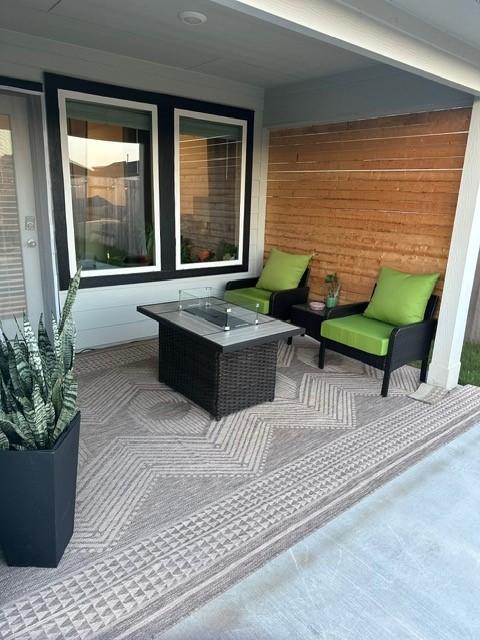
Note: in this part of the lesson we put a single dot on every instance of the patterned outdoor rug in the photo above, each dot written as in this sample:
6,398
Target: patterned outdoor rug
174,508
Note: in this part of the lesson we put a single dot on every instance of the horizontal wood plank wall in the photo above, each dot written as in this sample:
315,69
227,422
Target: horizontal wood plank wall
367,193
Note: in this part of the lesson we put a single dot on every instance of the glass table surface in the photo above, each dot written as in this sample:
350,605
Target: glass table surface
202,303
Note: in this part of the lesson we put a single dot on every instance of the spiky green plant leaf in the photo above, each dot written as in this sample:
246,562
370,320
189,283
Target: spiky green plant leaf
13,380
69,404
10,425
39,425
70,299
57,397
47,352
23,367
4,443
67,339
57,347
51,420
34,358
3,354
7,402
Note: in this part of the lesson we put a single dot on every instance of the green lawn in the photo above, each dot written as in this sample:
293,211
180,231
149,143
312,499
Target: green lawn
470,371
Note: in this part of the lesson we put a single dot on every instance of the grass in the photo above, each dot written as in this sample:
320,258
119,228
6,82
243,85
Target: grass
470,370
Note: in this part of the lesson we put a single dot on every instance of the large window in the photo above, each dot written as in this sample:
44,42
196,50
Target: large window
146,186
109,150
210,154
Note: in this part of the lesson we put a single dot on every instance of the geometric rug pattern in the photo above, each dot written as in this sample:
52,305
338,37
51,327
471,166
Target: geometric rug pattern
173,507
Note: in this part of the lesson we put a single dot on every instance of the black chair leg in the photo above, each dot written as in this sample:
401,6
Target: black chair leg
321,356
289,340
424,370
386,383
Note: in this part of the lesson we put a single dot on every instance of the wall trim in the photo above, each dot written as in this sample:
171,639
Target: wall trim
25,86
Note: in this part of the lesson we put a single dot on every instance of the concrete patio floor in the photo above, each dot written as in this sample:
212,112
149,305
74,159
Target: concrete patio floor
402,564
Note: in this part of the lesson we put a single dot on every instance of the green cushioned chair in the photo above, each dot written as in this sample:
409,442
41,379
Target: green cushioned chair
361,331
283,283
249,297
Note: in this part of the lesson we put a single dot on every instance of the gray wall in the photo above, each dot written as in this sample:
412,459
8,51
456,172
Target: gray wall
378,90
106,315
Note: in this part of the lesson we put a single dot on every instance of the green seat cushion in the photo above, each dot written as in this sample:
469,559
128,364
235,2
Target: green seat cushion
359,332
282,271
249,298
401,298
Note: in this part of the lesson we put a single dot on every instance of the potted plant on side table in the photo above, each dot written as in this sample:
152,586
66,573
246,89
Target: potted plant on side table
333,290
39,430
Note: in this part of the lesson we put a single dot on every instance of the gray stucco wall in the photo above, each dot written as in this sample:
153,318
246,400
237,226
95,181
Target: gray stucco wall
378,90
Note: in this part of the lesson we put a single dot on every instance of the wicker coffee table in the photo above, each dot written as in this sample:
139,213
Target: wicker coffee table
221,356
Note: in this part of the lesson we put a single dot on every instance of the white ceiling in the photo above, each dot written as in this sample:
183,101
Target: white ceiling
458,18
231,44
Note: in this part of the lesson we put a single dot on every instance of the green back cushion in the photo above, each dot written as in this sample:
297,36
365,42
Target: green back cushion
249,297
401,298
282,271
359,332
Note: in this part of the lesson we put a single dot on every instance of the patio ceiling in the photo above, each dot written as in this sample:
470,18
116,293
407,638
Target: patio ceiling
458,19
231,44
381,31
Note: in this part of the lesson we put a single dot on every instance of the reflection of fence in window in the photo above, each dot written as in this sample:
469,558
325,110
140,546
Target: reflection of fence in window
110,179
109,211
210,189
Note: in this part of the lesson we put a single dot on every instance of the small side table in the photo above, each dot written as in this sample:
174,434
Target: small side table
304,316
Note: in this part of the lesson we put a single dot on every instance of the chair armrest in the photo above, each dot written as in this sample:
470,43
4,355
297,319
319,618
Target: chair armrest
346,310
411,342
282,301
244,283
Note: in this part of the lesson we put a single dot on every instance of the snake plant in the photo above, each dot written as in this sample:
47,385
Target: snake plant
38,388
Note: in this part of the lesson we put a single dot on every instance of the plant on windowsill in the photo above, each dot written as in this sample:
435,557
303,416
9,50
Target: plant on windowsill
186,251
206,255
39,429
226,251
333,290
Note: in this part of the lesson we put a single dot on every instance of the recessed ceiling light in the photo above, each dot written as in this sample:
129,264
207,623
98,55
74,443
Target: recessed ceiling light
192,18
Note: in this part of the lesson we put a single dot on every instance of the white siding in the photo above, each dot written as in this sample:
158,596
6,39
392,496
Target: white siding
106,315
377,91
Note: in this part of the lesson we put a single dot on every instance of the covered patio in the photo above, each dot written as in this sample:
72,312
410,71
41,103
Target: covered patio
174,508
314,128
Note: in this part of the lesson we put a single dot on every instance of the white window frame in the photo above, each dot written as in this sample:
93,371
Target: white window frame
63,96
212,118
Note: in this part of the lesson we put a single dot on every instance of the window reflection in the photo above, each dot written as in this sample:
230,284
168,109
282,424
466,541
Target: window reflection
210,168
110,175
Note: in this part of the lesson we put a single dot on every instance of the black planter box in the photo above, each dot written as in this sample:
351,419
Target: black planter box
37,501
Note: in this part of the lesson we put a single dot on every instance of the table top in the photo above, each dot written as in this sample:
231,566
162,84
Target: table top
306,307
268,329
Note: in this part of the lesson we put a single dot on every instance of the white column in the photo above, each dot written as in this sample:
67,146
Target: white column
462,261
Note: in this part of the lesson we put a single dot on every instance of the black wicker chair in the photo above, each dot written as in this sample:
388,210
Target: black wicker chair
406,343
280,302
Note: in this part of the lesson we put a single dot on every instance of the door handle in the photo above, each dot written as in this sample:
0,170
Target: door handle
31,243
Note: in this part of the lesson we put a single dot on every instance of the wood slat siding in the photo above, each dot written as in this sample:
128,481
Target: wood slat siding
367,193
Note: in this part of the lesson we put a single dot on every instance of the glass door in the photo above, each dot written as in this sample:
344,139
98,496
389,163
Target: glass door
20,279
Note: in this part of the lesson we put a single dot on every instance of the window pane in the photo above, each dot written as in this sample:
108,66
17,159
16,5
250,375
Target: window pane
111,180
210,166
